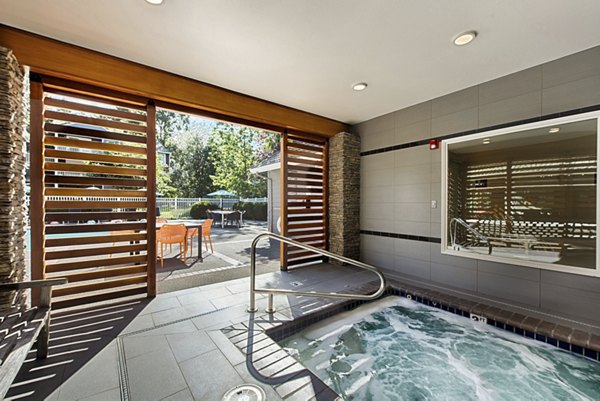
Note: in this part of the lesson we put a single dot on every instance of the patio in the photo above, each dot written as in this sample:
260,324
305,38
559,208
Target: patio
172,347
230,260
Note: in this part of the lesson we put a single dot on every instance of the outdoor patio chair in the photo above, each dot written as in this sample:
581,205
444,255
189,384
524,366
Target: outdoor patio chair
169,235
206,234
191,233
234,218
162,220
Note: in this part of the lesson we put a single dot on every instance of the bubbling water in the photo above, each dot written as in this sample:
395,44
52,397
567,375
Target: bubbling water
396,350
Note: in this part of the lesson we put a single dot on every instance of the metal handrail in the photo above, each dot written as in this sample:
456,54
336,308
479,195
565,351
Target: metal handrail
458,220
271,291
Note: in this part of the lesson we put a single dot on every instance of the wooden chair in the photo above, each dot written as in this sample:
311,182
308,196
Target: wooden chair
234,218
169,235
20,327
206,234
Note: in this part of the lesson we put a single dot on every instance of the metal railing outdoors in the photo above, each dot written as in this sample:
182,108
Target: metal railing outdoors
272,291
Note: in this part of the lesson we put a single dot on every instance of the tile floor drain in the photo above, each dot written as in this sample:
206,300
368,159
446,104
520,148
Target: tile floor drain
245,392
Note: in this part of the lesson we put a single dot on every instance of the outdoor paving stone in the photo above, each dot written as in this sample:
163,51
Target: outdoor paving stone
183,312
154,376
223,316
189,345
264,352
580,338
98,375
136,346
209,376
184,395
185,326
110,395
229,300
272,359
161,304
594,342
230,351
562,333
139,323
203,295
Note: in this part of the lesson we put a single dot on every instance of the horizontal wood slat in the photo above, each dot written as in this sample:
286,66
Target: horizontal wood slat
93,133
106,250
96,216
296,233
305,211
297,138
86,264
92,181
302,155
58,205
90,168
100,122
58,88
305,146
67,104
89,299
298,226
306,175
305,169
71,241
303,197
97,157
303,162
83,144
311,203
81,288
301,261
93,192
86,228
304,190
102,273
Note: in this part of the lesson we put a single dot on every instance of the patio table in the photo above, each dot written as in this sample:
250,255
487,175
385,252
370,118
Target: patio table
224,213
189,224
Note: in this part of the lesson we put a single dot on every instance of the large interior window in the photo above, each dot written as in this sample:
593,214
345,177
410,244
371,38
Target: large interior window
525,195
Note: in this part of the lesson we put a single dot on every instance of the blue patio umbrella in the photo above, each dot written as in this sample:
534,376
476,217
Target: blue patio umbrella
221,193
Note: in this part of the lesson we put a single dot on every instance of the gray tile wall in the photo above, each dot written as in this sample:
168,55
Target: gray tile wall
397,187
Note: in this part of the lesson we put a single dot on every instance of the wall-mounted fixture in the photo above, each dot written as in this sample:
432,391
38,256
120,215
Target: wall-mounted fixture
434,144
155,2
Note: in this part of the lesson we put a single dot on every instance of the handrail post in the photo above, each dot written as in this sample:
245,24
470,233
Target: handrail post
252,308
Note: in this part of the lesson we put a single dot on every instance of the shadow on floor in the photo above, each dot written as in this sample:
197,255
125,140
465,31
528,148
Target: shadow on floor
76,336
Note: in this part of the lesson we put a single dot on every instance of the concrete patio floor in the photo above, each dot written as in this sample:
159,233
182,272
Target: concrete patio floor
230,259
172,347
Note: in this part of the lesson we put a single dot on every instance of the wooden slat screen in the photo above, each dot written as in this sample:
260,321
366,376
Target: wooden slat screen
303,197
97,189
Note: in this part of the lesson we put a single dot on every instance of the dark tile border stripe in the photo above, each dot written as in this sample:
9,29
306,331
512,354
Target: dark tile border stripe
478,130
402,236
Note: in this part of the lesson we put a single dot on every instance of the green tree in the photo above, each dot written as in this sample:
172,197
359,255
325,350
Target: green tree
234,152
169,124
163,181
191,165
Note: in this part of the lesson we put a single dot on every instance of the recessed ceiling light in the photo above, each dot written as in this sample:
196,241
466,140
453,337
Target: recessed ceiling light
486,141
465,38
553,130
361,86
155,2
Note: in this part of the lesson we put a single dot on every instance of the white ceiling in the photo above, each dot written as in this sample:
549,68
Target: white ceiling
306,54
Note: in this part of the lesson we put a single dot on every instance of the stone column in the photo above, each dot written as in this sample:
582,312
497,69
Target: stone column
344,195
12,177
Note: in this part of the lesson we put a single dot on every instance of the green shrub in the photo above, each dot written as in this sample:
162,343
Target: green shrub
254,211
198,210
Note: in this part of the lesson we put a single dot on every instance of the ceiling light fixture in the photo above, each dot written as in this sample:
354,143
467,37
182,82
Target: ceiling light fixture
465,38
553,130
155,2
361,86
486,141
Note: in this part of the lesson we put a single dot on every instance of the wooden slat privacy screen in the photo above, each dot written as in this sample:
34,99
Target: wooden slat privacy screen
303,197
86,145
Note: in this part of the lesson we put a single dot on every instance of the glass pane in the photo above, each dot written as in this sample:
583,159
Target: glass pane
528,195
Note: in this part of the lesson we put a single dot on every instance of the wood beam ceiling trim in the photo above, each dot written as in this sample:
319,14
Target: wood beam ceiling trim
51,57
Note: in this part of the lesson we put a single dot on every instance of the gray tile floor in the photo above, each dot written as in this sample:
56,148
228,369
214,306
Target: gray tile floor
174,349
